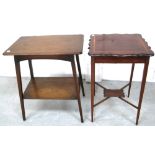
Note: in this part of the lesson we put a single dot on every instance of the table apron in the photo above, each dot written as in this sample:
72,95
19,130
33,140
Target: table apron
97,59
56,57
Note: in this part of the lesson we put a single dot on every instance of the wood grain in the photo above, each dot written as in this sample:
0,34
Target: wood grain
47,45
51,88
121,45
113,93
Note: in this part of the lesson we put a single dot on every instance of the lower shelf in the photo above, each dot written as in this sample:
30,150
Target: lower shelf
51,88
113,93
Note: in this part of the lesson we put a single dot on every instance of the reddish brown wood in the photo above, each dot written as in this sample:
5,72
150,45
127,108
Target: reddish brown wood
80,75
119,45
47,45
131,76
51,88
77,88
142,89
100,85
113,93
20,89
92,87
59,47
128,102
112,59
31,68
119,48
53,57
103,100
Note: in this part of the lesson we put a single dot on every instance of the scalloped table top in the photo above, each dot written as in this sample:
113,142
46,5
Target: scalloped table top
119,45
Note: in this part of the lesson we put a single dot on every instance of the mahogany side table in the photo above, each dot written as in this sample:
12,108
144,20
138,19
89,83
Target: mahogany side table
118,48
59,47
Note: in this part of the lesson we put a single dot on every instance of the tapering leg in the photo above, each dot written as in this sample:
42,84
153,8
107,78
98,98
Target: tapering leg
92,86
131,76
94,82
142,89
80,75
19,82
77,87
31,68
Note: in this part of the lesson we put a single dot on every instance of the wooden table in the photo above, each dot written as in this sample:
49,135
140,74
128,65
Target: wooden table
118,48
60,47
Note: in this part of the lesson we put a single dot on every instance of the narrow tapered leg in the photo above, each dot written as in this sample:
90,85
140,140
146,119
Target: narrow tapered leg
142,89
19,83
94,83
80,75
92,86
77,87
31,68
131,76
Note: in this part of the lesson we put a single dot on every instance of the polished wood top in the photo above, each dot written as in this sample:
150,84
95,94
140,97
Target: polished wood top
47,45
119,45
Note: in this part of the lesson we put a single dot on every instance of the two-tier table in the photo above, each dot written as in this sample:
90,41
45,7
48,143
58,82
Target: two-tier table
119,48
57,47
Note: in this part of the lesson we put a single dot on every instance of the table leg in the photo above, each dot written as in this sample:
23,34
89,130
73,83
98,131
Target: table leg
131,76
77,87
142,89
31,68
80,75
19,82
92,86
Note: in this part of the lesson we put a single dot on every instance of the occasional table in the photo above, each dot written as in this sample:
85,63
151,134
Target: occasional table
57,47
118,48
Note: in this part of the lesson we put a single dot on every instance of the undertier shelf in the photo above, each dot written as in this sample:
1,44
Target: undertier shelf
51,88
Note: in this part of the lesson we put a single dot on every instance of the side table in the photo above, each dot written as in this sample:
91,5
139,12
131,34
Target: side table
118,48
57,47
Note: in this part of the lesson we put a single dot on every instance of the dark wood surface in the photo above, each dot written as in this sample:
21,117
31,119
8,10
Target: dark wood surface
57,47
47,45
119,45
113,93
119,48
51,88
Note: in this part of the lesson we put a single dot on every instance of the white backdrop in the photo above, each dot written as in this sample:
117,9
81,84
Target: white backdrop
47,17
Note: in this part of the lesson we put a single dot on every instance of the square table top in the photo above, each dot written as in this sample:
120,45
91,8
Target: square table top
47,45
119,45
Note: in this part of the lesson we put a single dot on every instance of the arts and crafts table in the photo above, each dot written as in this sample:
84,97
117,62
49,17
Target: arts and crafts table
55,47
